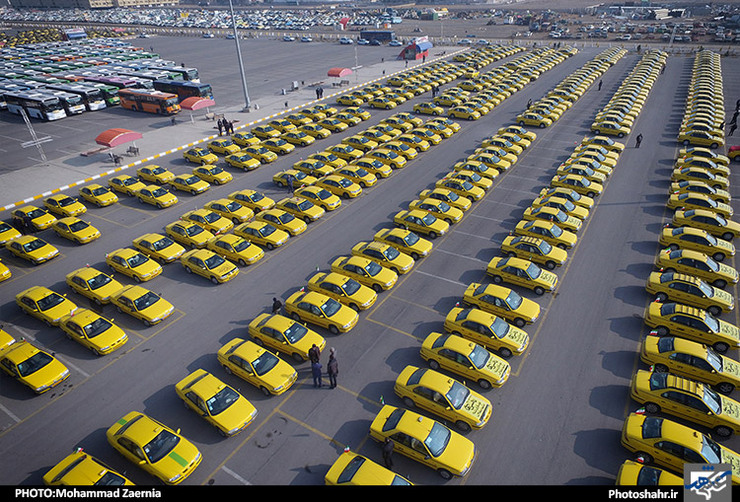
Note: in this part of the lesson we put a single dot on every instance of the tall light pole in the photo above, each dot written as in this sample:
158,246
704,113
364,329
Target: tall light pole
247,102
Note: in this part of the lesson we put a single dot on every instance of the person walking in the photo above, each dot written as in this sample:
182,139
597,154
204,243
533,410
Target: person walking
316,373
314,353
732,129
220,125
600,83
638,140
388,452
332,368
529,104
290,182
276,305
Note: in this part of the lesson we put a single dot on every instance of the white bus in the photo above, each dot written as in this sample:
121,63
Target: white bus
92,97
72,103
36,105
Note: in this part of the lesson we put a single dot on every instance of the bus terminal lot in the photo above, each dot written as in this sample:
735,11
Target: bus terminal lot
556,421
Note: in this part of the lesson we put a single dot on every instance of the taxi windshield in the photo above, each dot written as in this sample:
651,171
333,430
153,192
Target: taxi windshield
295,332
222,400
214,261
499,327
331,307
99,281
98,326
457,395
34,363
145,301
160,446
264,363
437,440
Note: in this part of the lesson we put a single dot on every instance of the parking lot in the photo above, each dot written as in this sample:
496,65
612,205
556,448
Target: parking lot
556,421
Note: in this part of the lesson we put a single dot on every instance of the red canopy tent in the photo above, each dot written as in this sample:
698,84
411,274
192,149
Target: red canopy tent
339,72
196,103
116,136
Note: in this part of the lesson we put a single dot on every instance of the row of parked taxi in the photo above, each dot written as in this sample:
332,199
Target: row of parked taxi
227,410
688,376
478,336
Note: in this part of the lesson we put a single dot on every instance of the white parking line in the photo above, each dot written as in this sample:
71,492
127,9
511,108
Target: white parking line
461,256
441,278
10,414
235,476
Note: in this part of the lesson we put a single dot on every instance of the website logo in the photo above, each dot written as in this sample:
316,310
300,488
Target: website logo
707,482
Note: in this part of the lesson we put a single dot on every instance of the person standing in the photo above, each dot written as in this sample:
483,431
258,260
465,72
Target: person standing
638,140
732,129
316,373
220,125
276,305
600,83
388,452
314,353
290,182
332,368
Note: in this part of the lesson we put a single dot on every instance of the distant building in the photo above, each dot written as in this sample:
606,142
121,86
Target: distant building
87,4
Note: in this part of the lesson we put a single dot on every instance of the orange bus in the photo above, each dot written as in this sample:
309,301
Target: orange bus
146,100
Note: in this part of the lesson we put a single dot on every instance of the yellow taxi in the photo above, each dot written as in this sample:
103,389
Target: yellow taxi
319,196
189,183
316,130
373,166
5,272
80,469
464,112
75,229
461,187
298,119
340,186
236,249
265,131
447,196
285,335
388,157
503,143
710,221
697,186
299,178
315,168
365,271
133,263
428,109
93,331
610,128
484,164
690,290
519,131
401,149
359,142
376,135
210,220
199,155
443,396
209,264
125,184
686,399
213,175
231,209
605,142
488,330
699,174
283,220
382,102
697,240
188,233
405,241
350,100
704,153
301,208
698,264
521,272
472,177
343,289
93,284
568,194
44,304
345,151
561,204
700,138
398,123
35,368
554,215
325,109
579,184
159,450
223,146
409,117
261,153
466,359
699,201
413,141
358,112
385,255
438,208
262,233
314,114
244,138
426,134
424,440
422,222
352,469
692,323
298,138
644,435
242,161
282,125
633,473
64,205
358,175
335,124
502,302
32,248
582,171
156,196
218,403
145,305
256,201
321,310
257,366
98,194
692,360
607,163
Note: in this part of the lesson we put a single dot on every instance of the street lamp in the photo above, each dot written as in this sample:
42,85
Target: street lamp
239,56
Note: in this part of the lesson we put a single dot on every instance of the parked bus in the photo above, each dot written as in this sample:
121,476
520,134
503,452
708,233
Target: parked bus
72,103
151,74
110,93
189,74
119,82
92,97
184,89
145,100
36,105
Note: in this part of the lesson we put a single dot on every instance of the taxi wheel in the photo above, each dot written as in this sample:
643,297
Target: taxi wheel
378,288
539,291
725,387
265,391
718,256
643,458
269,246
484,384
714,310
297,357
652,408
354,307
434,364
463,426
498,279
662,331
719,283
214,279
193,192
242,262
550,265
444,473
519,322
723,431
542,125
727,235
227,370
721,347
432,235
504,352
333,329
